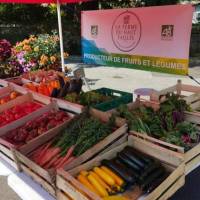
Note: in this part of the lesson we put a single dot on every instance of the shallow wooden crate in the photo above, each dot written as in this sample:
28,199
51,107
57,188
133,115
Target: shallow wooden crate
191,94
191,157
3,83
44,177
47,177
73,107
18,101
4,92
69,187
7,149
102,145
63,104
184,90
37,96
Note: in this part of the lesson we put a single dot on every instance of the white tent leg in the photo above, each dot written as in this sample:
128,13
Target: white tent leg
60,36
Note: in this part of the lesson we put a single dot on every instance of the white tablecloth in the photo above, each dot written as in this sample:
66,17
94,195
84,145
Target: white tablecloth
22,184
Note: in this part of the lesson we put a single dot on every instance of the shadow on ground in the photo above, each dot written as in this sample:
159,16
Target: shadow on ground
190,191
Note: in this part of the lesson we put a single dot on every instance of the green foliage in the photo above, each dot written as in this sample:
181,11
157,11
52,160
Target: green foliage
166,124
18,21
24,14
160,2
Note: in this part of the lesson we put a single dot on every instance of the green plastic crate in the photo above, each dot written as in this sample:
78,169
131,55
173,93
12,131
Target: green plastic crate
120,98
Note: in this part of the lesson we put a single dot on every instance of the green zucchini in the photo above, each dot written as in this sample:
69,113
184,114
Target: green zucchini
121,170
155,184
146,159
123,158
149,170
151,178
134,158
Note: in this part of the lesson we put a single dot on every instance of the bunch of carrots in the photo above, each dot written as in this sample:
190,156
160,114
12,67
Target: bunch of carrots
82,133
49,156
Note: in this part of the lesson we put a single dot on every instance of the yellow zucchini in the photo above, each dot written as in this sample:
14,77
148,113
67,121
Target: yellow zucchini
96,176
87,184
84,172
119,181
107,178
102,191
115,198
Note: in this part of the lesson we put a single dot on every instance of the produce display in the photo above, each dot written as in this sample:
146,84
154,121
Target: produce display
17,112
167,123
42,76
128,169
9,97
80,135
88,98
130,172
56,88
33,129
103,99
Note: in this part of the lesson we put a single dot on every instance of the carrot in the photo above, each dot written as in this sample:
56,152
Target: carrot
58,161
67,162
35,154
50,155
43,151
67,156
51,163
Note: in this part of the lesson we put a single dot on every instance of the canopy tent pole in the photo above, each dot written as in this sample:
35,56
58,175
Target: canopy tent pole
60,36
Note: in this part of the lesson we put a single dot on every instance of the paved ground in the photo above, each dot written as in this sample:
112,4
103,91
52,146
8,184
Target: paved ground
5,192
121,79
128,79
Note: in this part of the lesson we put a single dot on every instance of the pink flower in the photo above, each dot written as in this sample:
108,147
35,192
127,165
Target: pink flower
5,49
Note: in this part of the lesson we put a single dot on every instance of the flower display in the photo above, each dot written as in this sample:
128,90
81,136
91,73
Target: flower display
5,50
33,53
38,52
10,68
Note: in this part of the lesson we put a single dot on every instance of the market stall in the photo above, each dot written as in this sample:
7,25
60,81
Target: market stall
102,144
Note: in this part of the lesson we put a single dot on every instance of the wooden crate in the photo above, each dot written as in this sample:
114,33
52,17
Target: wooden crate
66,105
18,101
191,157
4,92
181,89
191,94
7,149
3,83
44,177
47,177
36,96
102,145
63,104
69,187
194,102
73,107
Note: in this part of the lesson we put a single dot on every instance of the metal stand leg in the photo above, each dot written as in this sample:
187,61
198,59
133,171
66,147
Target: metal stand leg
86,83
